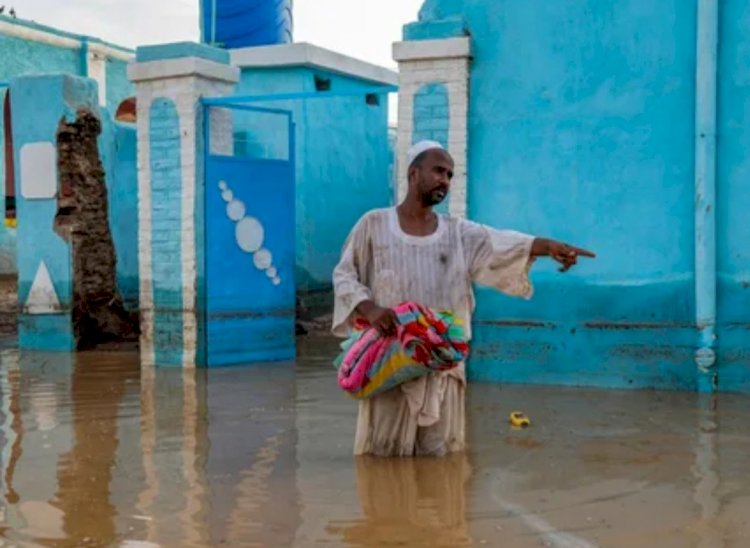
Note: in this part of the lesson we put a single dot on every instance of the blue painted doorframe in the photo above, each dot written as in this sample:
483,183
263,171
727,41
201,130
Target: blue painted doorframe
248,290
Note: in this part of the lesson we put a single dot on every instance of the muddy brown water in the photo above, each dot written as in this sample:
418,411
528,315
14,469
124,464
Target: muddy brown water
95,452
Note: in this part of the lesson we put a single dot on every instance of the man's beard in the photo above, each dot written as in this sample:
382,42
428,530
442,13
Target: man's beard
434,197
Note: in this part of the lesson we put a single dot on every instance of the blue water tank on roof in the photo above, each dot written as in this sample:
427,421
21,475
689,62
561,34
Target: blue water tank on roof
242,23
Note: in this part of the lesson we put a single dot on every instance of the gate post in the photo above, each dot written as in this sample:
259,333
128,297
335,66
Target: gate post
433,104
170,81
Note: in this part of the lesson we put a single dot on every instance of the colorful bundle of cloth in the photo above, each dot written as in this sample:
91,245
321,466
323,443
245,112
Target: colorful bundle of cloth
425,341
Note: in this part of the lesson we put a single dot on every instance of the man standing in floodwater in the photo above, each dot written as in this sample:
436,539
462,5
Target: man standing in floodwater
411,253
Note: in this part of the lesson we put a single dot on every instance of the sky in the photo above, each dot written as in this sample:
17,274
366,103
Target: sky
360,28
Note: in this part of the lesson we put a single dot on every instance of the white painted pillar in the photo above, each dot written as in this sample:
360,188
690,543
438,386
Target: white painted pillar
443,62
183,81
97,70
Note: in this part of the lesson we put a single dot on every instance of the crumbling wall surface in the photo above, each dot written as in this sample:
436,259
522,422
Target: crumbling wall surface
83,220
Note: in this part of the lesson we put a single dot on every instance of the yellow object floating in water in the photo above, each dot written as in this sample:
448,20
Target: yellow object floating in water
519,420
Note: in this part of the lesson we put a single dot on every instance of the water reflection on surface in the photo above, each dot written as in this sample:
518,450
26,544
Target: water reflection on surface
407,502
96,452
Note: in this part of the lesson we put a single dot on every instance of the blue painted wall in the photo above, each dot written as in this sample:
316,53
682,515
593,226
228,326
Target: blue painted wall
733,196
19,58
50,98
39,103
166,237
333,190
581,127
24,57
117,148
119,87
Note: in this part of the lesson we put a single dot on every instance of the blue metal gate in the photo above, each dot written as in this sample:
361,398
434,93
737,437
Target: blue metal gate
249,254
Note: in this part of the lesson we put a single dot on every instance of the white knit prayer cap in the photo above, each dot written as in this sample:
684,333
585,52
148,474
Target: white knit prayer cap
419,148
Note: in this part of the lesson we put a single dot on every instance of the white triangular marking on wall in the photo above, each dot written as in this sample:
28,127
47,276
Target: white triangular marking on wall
42,297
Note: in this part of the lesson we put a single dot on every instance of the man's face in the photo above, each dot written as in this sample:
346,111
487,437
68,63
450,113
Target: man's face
432,176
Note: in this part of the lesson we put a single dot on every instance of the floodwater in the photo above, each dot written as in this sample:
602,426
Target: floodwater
96,453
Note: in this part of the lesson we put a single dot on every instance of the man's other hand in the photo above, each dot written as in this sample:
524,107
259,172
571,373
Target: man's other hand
382,319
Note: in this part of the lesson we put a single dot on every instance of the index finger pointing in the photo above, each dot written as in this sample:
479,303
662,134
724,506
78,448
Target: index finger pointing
584,252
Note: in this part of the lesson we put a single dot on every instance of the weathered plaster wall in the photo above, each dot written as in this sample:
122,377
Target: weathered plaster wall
73,184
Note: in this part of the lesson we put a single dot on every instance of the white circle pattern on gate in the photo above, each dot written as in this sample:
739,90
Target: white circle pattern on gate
249,233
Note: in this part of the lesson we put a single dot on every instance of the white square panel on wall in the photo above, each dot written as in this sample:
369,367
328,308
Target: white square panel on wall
39,171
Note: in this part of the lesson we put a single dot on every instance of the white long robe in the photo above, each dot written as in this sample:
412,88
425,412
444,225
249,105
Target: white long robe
380,262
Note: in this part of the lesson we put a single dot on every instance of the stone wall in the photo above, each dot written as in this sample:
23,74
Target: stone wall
82,219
